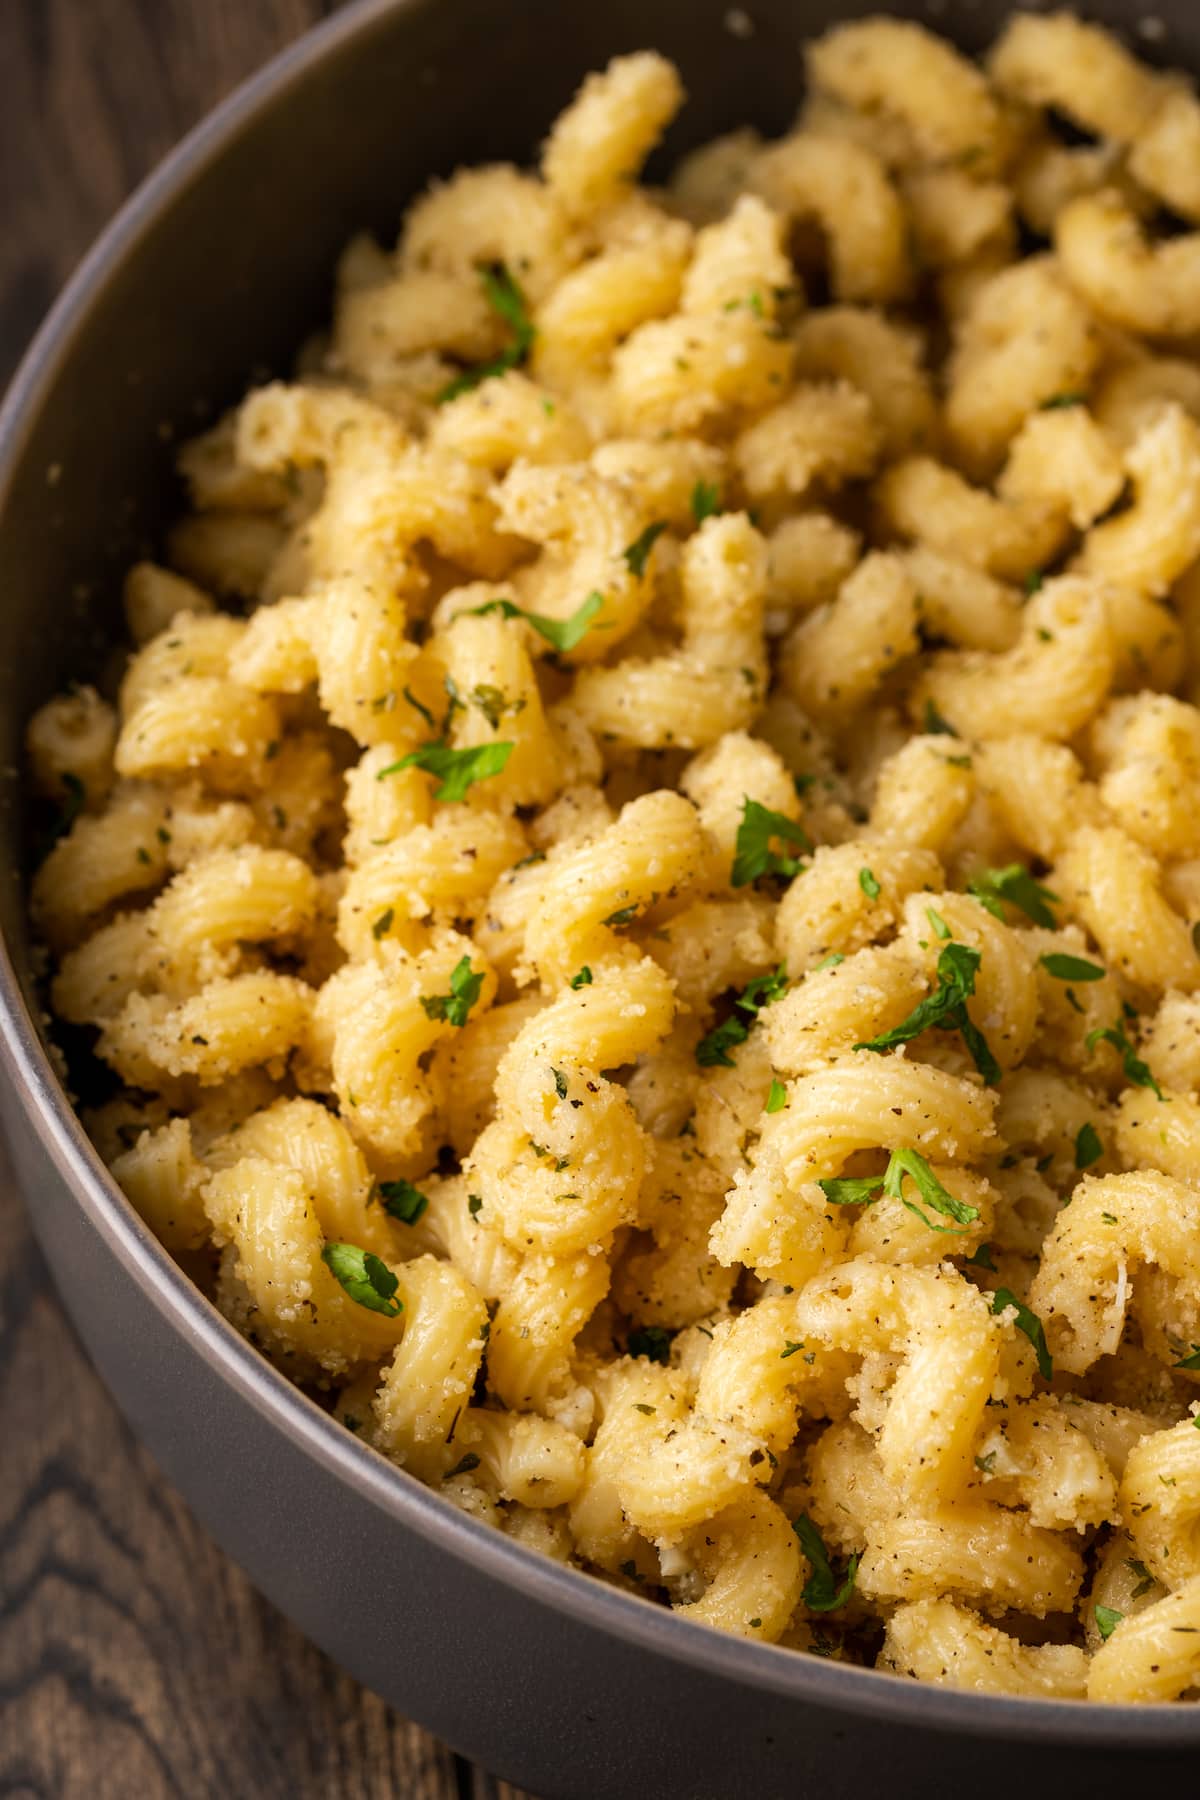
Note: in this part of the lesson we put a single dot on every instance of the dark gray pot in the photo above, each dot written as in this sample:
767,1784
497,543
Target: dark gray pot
212,274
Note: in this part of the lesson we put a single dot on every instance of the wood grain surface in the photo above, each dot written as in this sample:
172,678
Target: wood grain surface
135,1661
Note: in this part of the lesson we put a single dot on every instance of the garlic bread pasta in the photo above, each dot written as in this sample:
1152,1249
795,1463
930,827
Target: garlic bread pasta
632,916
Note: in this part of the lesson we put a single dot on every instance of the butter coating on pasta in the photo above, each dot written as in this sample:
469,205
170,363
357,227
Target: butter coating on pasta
640,881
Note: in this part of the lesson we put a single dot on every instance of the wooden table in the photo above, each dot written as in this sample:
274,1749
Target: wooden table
135,1660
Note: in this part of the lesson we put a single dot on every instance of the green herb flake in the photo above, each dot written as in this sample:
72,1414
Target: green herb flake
863,1190
465,986
560,1083
706,501
1034,579
562,634
946,1010
582,978
403,1201
474,1205
637,554
1030,1324
1145,1578
1107,1620
777,1097
981,1258
1017,886
1136,1071
652,1342
463,1466
826,1589
940,927
641,1406
364,1276
417,706
494,703
934,724
383,923
1088,1148
1190,1362
753,855
713,1049
868,884
456,770
829,962
789,1349
624,915
1071,968
503,294
1058,402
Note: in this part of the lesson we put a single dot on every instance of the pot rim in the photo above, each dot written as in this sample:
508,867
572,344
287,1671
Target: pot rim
843,1688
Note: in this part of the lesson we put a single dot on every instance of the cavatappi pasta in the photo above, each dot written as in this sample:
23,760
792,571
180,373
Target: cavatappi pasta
641,884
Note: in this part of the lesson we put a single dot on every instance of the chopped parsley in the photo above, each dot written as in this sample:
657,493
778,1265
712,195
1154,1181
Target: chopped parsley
935,724
863,1190
826,1588
403,1201
504,296
1030,1324
1071,968
463,1466
561,634
1136,1071
419,706
1088,1148
939,925
474,1205
1145,1578
383,923
706,500
753,855
624,915
1034,578
1107,1620
777,1098
652,1342
637,554
1056,402
982,1258
494,703
946,1010
465,985
713,1049
1017,886
582,979
364,1276
829,962
868,884
1190,1362
456,770
560,1083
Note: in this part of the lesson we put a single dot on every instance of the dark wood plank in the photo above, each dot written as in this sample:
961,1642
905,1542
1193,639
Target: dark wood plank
136,1663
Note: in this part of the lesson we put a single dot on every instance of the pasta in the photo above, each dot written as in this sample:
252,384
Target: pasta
652,959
